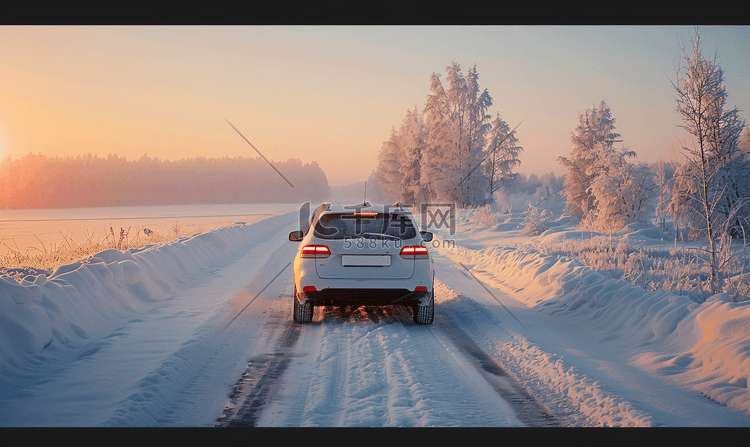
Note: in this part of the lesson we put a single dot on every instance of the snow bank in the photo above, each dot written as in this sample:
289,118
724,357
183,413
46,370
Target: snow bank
566,391
704,346
88,298
548,374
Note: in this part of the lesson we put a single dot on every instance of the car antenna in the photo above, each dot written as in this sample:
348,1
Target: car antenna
364,203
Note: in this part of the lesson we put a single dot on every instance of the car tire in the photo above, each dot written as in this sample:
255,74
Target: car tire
303,313
425,314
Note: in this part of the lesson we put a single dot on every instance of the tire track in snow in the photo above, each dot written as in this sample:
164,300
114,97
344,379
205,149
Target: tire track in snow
527,408
354,344
257,384
337,381
373,367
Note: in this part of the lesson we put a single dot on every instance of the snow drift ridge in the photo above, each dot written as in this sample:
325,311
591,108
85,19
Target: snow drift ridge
86,298
705,346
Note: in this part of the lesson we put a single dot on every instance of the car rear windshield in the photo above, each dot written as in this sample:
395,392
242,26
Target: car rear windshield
367,225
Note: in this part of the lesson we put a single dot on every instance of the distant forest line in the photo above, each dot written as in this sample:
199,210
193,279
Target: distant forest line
39,181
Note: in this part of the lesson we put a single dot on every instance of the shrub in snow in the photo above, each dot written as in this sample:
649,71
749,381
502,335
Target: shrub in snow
536,222
483,216
682,271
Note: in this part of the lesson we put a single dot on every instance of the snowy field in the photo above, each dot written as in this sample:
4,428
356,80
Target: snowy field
36,229
166,336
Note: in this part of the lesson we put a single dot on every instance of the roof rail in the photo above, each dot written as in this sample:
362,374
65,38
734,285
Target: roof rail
361,205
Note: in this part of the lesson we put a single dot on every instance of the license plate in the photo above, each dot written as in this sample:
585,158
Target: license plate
366,260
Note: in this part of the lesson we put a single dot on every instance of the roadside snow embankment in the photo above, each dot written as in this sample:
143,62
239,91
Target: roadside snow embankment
705,346
87,298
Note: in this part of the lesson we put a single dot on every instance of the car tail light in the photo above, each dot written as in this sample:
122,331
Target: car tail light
420,289
315,251
309,289
414,252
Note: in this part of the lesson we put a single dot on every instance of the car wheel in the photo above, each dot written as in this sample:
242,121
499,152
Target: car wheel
303,313
424,314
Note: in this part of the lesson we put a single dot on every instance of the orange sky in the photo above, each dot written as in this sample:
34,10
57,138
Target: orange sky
331,94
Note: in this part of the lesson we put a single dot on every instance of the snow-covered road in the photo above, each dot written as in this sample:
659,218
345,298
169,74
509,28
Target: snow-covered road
211,351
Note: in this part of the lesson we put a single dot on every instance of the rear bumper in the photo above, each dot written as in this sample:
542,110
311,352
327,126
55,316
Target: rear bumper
364,297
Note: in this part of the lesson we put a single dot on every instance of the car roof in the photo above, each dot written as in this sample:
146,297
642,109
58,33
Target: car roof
396,208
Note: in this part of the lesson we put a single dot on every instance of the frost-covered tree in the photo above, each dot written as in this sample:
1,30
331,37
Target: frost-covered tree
711,186
443,154
602,188
387,177
594,135
664,174
412,137
458,121
502,157
744,142
397,176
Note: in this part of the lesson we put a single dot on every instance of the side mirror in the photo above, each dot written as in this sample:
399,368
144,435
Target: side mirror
296,236
426,235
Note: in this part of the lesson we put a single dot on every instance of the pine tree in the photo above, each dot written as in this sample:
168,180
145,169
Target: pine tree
398,175
412,137
503,155
604,190
593,142
387,176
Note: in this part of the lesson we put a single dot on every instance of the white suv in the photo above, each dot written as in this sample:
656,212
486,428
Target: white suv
363,255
